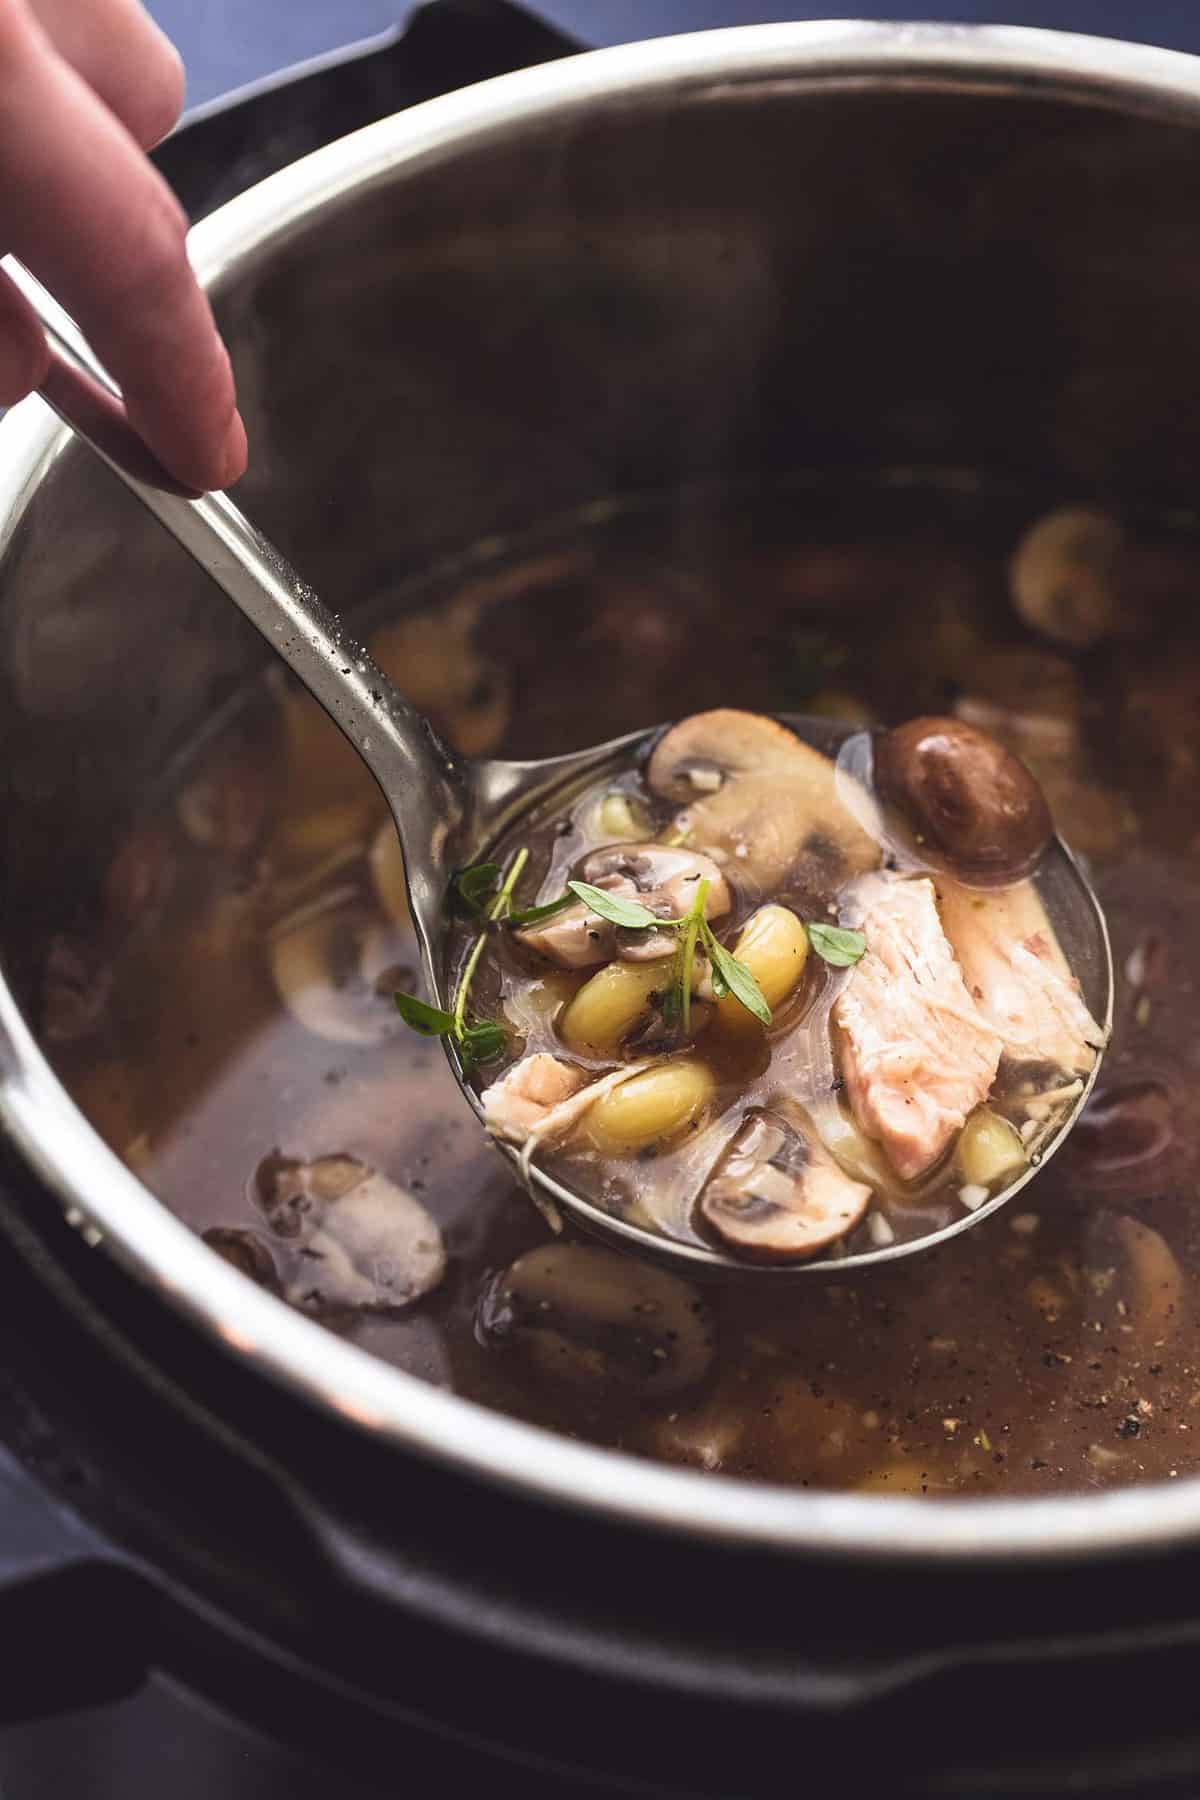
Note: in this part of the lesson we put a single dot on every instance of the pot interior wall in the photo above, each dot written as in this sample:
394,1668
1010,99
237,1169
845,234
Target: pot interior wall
741,280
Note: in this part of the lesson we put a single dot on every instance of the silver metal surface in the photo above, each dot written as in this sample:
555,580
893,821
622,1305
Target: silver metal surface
431,793
1089,136
449,809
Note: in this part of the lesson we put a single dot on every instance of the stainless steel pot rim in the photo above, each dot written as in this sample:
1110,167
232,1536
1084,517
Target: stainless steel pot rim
77,1165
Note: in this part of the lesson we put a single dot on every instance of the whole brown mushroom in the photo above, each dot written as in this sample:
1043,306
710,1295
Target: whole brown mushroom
966,797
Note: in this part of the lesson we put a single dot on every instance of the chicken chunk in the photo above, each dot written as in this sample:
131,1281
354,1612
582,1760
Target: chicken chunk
1018,976
525,1096
917,1055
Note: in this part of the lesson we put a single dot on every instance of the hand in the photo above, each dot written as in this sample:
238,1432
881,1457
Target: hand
85,87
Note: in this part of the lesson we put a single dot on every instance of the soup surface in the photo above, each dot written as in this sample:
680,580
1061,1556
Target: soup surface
226,1016
834,1042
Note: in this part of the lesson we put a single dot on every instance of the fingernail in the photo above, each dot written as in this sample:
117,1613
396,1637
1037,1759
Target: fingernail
233,452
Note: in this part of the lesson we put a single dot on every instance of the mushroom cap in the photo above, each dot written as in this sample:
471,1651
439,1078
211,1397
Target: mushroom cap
966,796
758,799
776,1195
590,1317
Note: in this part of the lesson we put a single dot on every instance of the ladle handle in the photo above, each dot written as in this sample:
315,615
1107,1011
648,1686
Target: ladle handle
419,777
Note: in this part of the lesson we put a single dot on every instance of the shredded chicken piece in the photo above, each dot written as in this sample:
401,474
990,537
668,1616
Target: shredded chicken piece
1017,974
527,1093
917,1055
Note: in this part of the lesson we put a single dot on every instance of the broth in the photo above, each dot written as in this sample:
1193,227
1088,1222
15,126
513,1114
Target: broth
764,1130
233,1000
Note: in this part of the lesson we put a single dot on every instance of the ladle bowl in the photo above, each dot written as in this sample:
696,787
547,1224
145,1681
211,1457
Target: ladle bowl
450,810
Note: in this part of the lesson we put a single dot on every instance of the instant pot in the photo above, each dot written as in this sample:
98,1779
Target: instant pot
709,259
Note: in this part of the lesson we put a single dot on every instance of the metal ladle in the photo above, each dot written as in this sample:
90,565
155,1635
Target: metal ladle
449,809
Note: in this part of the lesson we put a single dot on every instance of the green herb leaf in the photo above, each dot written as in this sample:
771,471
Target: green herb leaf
482,1043
612,907
732,976
693,924
837,946
475,886
533,915
430,1021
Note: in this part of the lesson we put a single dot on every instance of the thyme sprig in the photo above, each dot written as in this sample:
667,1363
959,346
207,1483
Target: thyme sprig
484,1040
475,891
730,976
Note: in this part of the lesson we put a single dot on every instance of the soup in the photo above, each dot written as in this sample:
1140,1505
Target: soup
224,1011
815,1004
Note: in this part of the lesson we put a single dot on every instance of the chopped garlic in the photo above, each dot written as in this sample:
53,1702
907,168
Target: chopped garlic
972,1195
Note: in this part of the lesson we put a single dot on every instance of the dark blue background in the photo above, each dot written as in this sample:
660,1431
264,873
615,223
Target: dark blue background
228,42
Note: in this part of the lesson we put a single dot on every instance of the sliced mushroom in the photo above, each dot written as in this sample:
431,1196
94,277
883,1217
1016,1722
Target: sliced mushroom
777,1195
664,880
224,808
325,962
758,800
658,877
1064,576
434,656
587,1317
246,1252
139,878
1127,1138
76,986
1159,1288
578,938
293,1194
360,1241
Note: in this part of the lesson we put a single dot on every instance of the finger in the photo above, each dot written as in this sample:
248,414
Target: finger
23,354
80,204
121,53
